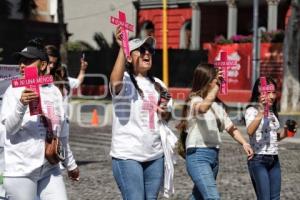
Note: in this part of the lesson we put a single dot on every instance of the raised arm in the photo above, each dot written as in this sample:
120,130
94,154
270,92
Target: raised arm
254,124
252,127
117,73
204,106
83,67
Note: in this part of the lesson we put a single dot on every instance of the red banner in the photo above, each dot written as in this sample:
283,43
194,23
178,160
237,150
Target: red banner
239,78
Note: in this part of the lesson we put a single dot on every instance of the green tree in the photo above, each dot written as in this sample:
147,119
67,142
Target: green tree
79,46
290,99
101,41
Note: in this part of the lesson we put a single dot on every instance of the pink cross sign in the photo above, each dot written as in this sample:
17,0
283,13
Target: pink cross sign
124,26
33,82
150,106
264,89
224,65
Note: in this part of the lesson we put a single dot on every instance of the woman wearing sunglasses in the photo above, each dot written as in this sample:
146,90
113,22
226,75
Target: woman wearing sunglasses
136,149
28,174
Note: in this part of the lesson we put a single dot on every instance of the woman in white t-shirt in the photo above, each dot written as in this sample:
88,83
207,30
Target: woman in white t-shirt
65,84
27,172
204,119
59,70
264,167
136,149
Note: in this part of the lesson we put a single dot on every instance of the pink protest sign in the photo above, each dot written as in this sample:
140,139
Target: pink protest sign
32,81
224,64
264,89
124,26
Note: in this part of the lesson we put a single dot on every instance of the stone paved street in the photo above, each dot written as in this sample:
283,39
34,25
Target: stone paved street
91,149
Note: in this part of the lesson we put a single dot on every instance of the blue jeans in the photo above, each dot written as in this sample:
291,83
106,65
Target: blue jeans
202,165
138,180
265,174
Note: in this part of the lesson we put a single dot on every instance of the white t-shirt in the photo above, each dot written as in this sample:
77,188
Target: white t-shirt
24,144
203,129
2,134
264,140
74,82
135,128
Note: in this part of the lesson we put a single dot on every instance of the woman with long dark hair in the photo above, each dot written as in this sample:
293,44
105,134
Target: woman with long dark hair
264,167
137,149
64,84
204,119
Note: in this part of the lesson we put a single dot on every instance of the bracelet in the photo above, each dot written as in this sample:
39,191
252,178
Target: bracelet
246,144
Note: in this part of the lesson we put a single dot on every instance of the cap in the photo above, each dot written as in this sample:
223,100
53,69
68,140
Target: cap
137,42
32,53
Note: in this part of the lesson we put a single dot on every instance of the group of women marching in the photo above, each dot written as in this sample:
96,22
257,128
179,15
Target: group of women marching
139,157
143,146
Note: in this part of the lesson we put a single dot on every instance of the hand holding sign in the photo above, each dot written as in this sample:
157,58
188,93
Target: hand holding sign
223,65
121,21
31,95
27,96
264,89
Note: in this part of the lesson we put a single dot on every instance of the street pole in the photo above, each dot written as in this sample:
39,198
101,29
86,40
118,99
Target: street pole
165,45
62,30
255,47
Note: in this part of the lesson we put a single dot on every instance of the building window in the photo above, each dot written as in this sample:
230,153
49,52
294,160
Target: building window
147,29
185,35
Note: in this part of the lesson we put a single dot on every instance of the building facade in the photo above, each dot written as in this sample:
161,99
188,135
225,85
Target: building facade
27,20
192,23
85,18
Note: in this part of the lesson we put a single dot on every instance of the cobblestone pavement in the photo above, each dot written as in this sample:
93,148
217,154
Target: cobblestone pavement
91,149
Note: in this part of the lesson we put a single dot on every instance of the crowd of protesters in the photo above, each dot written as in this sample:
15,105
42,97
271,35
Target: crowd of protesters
143,147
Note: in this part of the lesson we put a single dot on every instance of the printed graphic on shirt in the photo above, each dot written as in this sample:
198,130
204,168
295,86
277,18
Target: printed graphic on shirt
52,114
264,141
148,110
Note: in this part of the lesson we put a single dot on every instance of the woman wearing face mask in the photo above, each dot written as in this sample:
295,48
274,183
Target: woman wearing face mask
136,149
264,135
27,172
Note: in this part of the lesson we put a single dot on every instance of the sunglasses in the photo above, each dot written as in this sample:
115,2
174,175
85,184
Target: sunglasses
144,48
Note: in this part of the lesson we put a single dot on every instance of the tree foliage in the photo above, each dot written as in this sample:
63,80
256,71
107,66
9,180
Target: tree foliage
101,41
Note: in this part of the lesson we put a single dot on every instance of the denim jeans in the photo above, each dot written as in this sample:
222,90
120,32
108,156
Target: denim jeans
138,180
202,165
265,174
